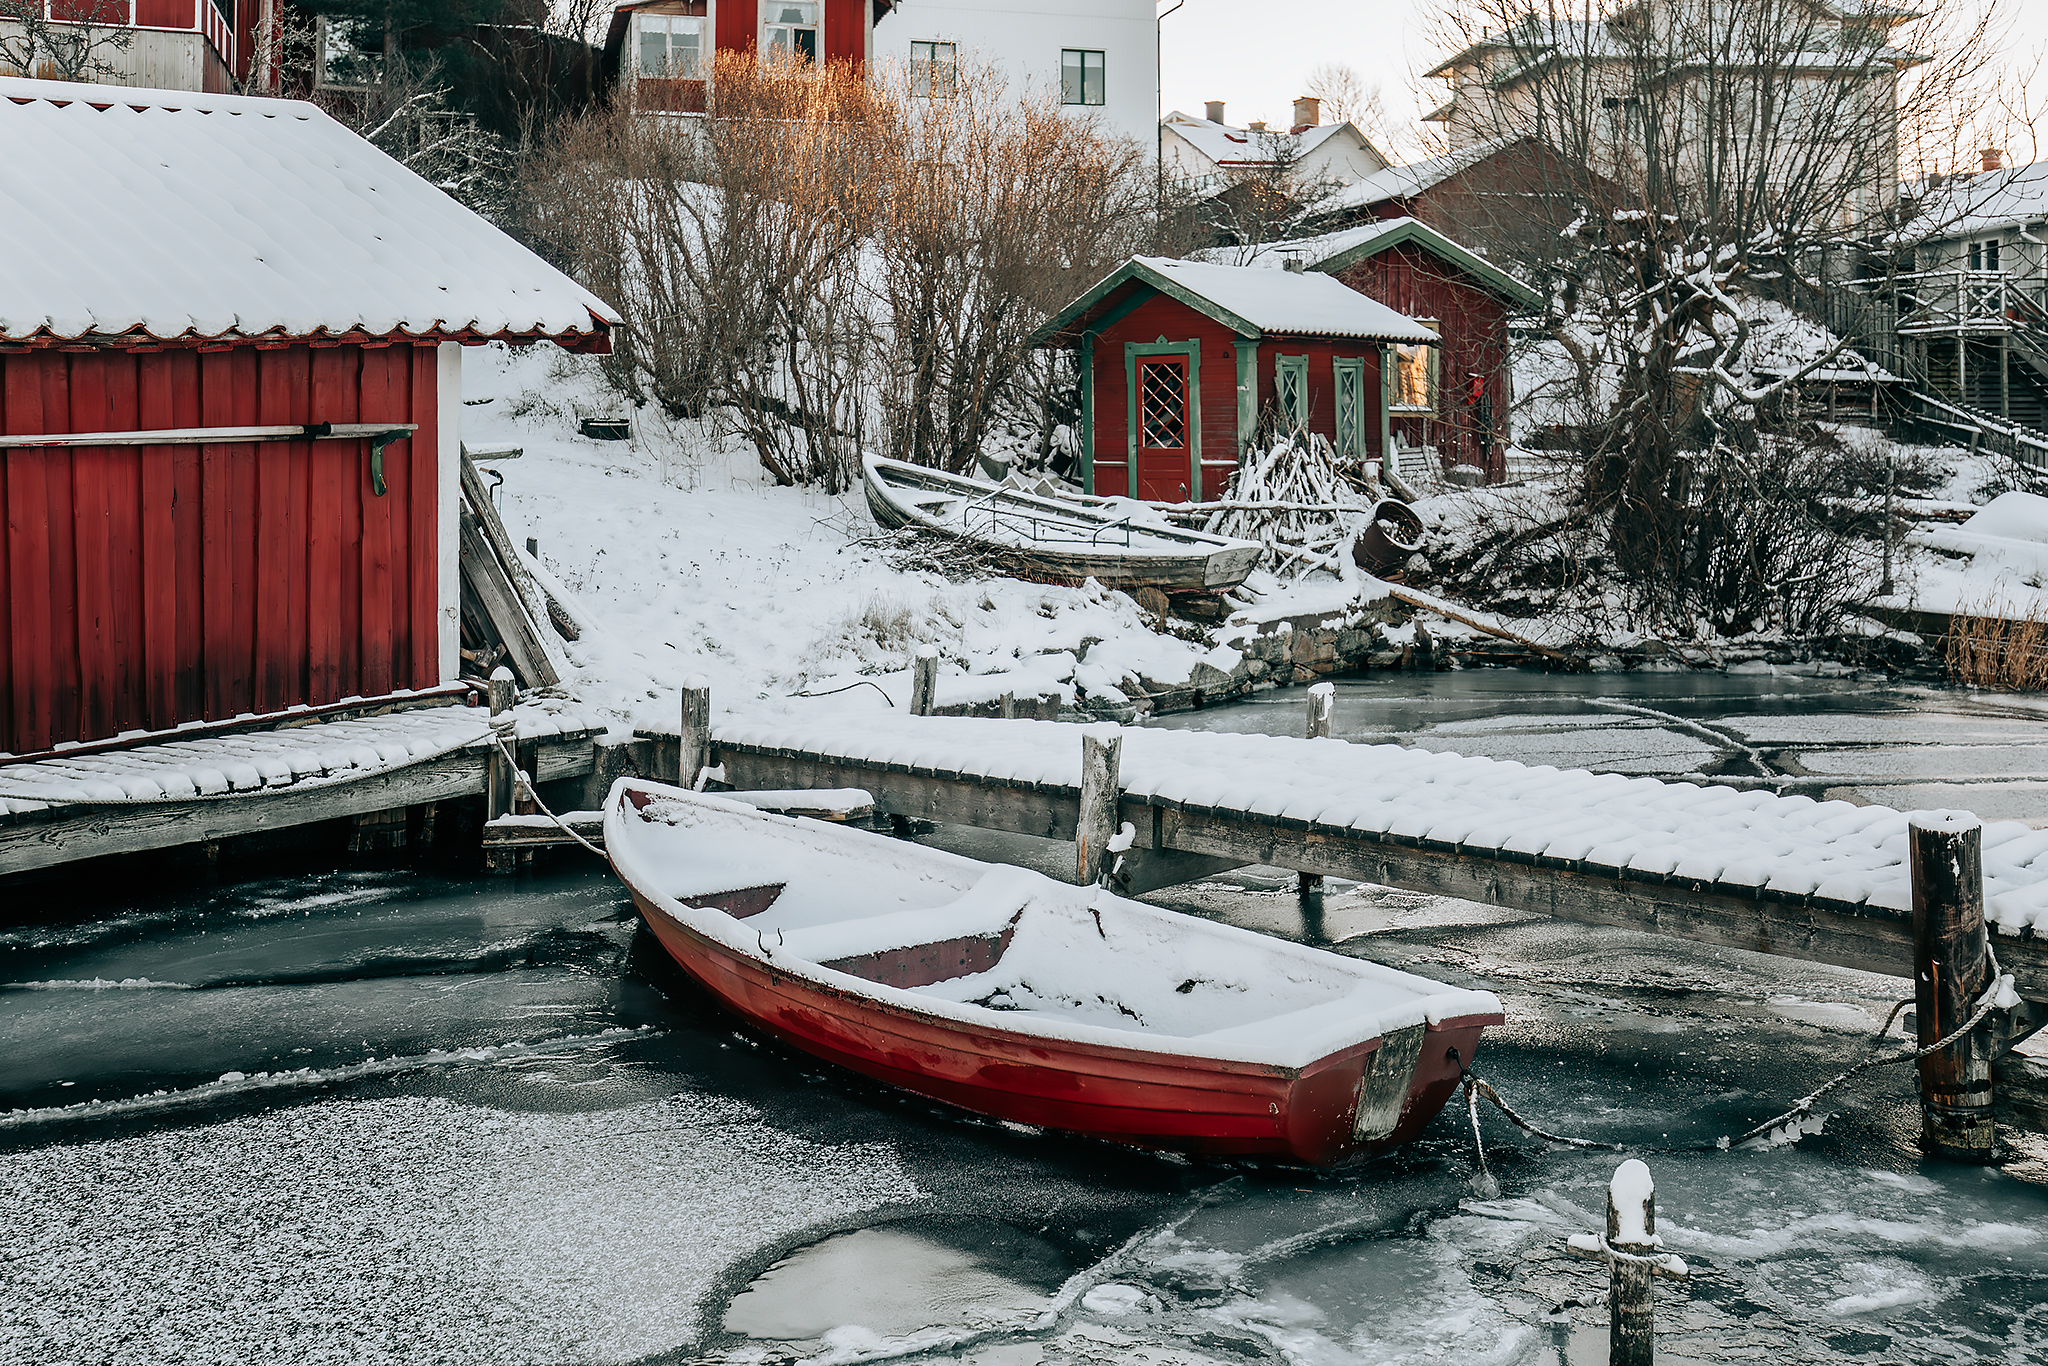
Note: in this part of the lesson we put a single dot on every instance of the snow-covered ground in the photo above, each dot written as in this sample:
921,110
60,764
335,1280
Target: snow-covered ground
691,561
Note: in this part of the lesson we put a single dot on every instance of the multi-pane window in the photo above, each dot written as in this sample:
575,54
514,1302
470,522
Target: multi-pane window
1290,375
671,46
1080,76
932,70
790,30
1163,405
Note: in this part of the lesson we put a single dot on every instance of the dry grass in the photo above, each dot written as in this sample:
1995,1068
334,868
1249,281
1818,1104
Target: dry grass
1986,649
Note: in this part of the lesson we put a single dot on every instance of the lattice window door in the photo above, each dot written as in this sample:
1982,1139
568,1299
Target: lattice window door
1163,405
1349,382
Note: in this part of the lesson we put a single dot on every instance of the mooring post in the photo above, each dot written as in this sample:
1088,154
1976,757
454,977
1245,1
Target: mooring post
610,760
1635,1256
1322,702
1102,748
498,765
694,739
1951,971
1007,708
924,680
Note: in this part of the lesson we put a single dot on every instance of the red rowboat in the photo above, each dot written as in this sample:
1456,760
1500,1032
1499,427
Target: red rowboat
1003,992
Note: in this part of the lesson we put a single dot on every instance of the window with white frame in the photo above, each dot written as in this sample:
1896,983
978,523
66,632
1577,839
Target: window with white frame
789,31
1412,378
1080,76
670,46
933,70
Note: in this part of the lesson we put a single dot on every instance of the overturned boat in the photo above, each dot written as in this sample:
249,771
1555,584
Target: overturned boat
1056,538
1005,993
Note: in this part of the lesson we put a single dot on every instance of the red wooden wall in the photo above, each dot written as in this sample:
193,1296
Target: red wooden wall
845,23
1474,326
1160,316
144,586
1163,317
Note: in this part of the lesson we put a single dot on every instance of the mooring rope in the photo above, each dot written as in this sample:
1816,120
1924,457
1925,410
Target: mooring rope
526,782
1476,1086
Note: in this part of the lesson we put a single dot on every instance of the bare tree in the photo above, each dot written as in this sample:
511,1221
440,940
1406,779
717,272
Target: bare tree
1348,97
1726,154
74,48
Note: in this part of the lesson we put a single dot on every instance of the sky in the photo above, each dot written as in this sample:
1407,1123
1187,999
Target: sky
1255,54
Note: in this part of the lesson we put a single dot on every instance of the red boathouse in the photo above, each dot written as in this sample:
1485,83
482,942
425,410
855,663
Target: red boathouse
263,316
1180,362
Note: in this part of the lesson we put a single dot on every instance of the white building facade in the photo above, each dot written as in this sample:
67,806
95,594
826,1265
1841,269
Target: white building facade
1101,57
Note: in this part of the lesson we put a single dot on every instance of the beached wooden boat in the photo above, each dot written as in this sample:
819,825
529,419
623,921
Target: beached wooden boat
1056,539
1003,992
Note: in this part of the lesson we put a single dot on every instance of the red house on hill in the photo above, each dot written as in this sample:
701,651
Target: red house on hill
659,52
230,382
1181,360
1454,398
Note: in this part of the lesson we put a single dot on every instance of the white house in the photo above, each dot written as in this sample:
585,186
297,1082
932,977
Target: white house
1102,56
1205,155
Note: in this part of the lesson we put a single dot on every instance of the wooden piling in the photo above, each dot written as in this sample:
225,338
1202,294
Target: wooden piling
1951,971
695,735
1101,761
611,760
1007,708
1631,1230
499,777
1322,703
924,680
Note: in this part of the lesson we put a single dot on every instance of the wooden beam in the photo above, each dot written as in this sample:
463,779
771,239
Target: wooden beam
500,600
1046,810
69,833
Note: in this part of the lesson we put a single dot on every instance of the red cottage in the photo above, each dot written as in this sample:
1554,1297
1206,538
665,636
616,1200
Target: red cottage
263,316
659,52
197,45
1179,359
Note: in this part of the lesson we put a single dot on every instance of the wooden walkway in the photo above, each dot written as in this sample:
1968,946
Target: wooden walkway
1820,881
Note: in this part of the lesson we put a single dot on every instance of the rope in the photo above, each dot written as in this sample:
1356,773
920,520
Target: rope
861,683
527,783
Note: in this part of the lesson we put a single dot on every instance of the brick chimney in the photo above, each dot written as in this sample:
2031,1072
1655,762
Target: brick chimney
1308,112
1257,126
1215,108
1992,158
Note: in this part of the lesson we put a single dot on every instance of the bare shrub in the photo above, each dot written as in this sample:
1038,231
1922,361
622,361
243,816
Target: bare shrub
74,47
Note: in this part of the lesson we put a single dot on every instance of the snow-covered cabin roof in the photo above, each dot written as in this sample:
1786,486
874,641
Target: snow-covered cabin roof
2014,197
1333,251
168,214
1405,182
1250,301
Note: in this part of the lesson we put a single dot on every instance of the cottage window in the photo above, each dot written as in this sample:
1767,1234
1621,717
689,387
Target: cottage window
1290,385
1412,378
1081,80
791,31
1350,377
671,46
933,70
1976,256
1991,254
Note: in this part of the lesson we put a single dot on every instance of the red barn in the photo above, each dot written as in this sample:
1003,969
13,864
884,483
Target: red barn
1454,399
263,316
1180,360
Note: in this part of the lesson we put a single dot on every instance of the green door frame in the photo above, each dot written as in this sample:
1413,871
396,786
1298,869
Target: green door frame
1247,395
1192,349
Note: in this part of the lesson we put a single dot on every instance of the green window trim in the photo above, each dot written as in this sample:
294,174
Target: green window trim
1247,394
1349,374
1290,389
1192,349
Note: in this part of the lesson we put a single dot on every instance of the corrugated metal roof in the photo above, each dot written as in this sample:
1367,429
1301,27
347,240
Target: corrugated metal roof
1287,303
189,215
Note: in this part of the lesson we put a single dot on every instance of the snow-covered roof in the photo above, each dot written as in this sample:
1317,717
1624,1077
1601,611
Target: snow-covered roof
1227,146
1986,202
1405,182
1251,302
188,215
1333,251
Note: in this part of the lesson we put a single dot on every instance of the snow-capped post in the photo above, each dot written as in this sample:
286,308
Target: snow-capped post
1102,749
694,738
1635,1256
499,777
1951,972
924,680
1322,704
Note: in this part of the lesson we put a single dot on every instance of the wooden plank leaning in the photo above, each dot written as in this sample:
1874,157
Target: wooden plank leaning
495,594
532,598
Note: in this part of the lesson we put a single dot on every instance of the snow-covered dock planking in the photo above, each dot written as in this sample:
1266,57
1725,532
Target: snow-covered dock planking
160,790
1822,881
